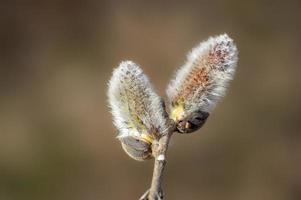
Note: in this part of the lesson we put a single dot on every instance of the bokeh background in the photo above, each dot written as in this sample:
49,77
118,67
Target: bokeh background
57,140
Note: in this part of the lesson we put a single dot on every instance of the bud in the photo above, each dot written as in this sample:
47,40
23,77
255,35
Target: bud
199,84
138,112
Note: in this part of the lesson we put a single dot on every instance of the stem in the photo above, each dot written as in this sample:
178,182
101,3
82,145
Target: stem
159,151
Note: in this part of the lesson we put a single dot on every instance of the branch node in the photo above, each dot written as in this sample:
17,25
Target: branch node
161,157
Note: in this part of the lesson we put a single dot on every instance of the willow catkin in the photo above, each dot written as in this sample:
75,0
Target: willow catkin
199,84
138,112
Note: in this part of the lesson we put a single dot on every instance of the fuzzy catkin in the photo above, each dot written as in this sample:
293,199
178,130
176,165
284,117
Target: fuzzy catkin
203,79
138,112
135,107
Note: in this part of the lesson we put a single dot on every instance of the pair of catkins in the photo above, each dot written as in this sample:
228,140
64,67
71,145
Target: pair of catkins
140,114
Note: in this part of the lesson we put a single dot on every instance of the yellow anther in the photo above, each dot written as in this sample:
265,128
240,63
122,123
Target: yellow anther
177,112
147,138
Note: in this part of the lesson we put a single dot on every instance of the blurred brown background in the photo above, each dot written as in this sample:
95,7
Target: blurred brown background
57,140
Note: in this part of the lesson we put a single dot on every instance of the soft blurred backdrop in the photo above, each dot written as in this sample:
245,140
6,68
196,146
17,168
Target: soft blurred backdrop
57,140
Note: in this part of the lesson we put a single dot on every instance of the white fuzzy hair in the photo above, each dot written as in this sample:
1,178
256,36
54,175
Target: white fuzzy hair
135,107
217,58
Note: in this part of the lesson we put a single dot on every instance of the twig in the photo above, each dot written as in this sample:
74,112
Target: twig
159,151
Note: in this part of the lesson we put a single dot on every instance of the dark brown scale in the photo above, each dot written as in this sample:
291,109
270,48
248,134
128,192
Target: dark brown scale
192,122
